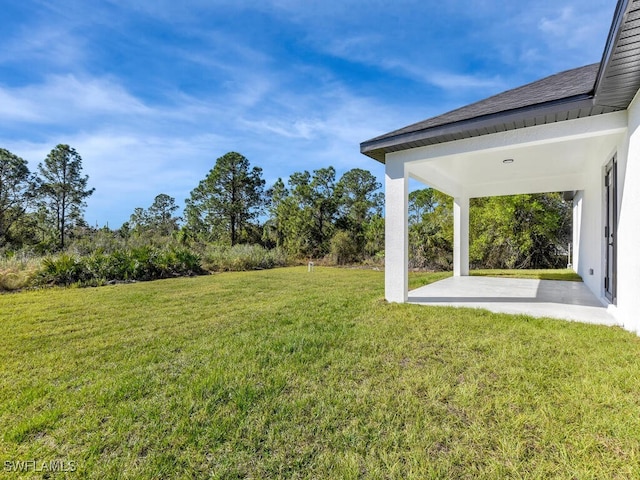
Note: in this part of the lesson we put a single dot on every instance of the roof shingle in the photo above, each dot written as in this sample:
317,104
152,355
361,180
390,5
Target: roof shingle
571,83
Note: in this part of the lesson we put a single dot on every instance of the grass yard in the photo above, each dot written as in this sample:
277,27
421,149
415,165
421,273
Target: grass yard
288,374
566,275
419,279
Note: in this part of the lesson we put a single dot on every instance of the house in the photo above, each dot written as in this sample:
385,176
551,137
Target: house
575,132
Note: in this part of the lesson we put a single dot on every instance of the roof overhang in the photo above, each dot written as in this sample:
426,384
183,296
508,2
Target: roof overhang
551,112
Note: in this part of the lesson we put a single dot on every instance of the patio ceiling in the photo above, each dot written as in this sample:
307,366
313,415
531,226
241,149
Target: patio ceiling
546,158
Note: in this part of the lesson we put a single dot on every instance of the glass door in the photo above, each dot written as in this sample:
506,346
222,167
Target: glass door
610,233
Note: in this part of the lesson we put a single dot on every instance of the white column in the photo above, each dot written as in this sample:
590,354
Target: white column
577,233
396,231
460,236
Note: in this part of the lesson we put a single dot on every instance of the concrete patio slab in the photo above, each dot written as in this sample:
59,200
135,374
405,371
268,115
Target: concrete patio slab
538,298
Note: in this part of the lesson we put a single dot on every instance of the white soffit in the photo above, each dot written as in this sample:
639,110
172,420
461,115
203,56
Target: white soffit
546,158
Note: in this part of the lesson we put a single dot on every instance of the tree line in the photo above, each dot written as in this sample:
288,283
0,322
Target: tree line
308,215
40,209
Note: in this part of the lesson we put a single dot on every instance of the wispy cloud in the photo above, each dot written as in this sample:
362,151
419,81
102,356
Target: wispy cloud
450,81
67,99
366,49
43,46
150,93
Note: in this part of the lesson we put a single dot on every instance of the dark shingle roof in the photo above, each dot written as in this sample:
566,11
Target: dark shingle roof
576,82
603,87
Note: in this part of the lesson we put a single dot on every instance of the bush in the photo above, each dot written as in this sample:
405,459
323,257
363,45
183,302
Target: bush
219,258
343,248
62,270
142,263
17,272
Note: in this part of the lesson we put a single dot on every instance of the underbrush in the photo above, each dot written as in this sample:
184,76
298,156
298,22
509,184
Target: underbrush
143,263
217,258
17,273
135,263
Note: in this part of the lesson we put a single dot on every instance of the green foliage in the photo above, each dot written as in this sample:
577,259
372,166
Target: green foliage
64,269
313,206
142,263
520,231
223,205
306,216
303,216
157,220
63,190
222,258
343,248
310,216
430,230
16,192
374,236
359,202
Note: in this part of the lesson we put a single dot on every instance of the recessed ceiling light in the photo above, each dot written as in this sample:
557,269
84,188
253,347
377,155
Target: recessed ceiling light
507,160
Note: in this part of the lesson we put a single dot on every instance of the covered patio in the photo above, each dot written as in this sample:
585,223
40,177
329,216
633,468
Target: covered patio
559,157
537,298
547,136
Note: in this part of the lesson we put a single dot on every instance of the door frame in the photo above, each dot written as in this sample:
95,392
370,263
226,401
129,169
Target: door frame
611,229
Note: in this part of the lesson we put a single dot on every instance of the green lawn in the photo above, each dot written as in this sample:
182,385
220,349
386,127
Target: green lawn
419,279
289,374
566,275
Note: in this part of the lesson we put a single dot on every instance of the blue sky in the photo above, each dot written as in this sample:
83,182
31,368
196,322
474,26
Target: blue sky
151,92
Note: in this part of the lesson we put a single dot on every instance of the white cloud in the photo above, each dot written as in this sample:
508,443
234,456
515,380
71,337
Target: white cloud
44,45
65,98
559,25
448,80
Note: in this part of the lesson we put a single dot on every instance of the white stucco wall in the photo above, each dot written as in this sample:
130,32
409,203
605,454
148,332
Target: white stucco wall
577,219
589,228
628,304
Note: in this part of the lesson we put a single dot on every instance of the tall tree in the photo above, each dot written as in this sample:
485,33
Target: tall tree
275,227
63,190
226,201
161,215
139,220
359,200
16,190
316,205
324,202
157,219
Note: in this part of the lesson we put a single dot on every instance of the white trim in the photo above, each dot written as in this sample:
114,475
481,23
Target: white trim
579,128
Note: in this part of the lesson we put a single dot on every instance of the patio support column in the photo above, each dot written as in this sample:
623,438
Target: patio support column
396,231
460,236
